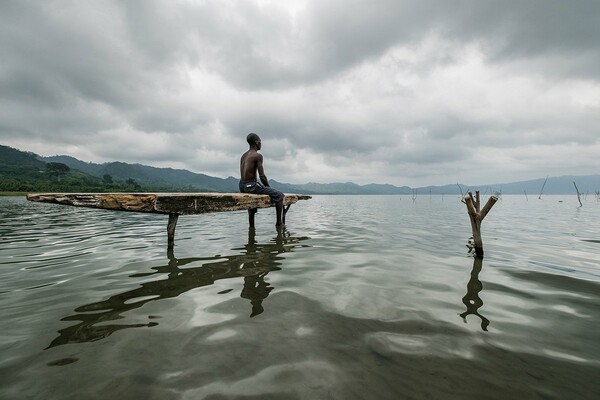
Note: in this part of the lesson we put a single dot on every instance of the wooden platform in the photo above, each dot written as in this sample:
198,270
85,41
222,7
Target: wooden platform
165,203
173,204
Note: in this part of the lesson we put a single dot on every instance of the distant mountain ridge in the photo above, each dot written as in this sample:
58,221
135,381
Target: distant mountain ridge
144,174
16,163
185,178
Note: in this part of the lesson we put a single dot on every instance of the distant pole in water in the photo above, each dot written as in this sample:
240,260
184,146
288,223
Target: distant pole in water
578,195
477,214
542,191
462,195
525,191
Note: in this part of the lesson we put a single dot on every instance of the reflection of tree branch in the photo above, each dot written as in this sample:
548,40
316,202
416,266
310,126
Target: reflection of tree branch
256,261
471,299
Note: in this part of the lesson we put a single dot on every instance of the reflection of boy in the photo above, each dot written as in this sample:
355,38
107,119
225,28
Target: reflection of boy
256,290
250,163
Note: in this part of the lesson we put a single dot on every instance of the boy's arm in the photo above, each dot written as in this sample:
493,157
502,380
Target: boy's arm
261,170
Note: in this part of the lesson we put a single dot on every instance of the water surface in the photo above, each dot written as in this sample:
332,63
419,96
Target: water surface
359,297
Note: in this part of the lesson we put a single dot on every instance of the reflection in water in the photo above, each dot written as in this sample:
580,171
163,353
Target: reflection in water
471,299
256,261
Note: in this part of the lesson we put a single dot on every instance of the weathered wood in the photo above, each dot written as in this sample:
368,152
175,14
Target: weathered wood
174,204
476,216
578,194
285,210
165,203
251,214
171,230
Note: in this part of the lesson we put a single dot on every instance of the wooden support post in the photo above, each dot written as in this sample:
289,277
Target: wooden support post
251,213
477,215
171,230
285,210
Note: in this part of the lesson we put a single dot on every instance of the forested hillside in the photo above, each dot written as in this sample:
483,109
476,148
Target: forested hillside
24,172
27,172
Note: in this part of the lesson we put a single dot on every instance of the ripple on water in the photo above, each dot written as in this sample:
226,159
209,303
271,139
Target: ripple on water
366,297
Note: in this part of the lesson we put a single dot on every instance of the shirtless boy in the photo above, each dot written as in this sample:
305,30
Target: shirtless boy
250,163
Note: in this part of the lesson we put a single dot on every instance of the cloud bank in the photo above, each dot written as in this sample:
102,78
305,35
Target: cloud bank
402,92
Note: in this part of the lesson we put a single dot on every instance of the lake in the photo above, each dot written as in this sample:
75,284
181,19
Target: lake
359,297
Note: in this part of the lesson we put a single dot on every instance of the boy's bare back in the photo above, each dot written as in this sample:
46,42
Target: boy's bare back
249,164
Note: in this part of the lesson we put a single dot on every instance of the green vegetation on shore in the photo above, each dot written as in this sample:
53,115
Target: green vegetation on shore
13,193
22,172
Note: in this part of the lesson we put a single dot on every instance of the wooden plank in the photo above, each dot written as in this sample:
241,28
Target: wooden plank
165,203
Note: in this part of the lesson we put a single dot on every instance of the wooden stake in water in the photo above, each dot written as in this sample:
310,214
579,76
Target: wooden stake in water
578,195
542,190
477,215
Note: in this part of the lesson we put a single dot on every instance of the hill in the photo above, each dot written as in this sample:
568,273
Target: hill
179,178
88,168
174,179
553,185
166,178
26,171
14,163
23,171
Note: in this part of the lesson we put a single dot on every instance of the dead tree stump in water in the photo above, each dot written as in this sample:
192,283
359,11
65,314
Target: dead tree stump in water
477,215
578,194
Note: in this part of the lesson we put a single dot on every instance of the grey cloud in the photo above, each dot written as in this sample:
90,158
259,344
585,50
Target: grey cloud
67,65
303,131
166,117
523,29
553,37
263,50
77,59
163,121
71,71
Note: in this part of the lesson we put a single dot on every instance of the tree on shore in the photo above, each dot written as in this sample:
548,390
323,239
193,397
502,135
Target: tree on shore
57,169
132,182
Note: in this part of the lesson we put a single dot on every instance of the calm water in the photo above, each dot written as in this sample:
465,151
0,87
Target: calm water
361,297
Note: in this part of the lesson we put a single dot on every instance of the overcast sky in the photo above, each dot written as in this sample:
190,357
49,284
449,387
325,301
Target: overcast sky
403,92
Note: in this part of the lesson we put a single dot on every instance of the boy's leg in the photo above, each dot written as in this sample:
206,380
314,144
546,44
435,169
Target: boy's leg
276,198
